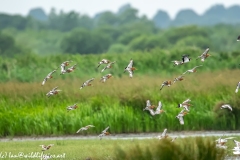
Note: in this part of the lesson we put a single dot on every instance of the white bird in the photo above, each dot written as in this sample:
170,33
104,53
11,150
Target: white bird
103,61
109,65
87,83
53,92
180,116
192,70
185,59
104,133
223,141
227,106
105,78
179,78
130,68
159,108
166,83
85,128
185,104
204,55
49,76
176,63
238,85
70,69
44,147
163,135
72,107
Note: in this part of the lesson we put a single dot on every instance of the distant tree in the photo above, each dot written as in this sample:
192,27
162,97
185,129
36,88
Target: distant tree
38,14
162,19
214,15
186,17
84,42
8,47
15,21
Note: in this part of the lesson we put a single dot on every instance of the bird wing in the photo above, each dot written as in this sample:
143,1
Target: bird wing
196,67
185,72
54,89
205,52
105,130
181,120
130,64
130,73
90,125
238,85
90,80
49,74
44,81
104,68
229,137
159,106
186,101
148,103
79,130
164,132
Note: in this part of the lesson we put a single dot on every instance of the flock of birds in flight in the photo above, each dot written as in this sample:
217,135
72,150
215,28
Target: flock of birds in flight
130,69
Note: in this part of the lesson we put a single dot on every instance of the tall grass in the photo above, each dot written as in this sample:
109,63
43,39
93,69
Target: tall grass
118,103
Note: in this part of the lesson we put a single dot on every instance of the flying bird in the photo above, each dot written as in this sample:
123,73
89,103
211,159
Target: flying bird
179,78
103,61
176,63
194,69
185,104
166,83
180,116
185,58
238,85
54,91
85,128
64,64
159,108
163,135
70,69
49,76
204,55
130,68
105,78
44,147
226,106
104,133
72,107
109,65
87,83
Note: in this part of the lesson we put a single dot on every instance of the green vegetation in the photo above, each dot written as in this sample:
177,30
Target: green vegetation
106,149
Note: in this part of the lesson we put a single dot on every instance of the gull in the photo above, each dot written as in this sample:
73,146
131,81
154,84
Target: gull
53,92
179,78
49,76
166,83
176,63
204,55
238,85
163,135
185,58
106,77
180,116
192,70
227,106
223,141
70,69
85,128
103,61
87,83
109,65
69,108
130,68
44,147
148,105
238,38
185,104
104,133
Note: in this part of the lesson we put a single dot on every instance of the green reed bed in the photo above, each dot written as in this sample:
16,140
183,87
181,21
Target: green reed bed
118,103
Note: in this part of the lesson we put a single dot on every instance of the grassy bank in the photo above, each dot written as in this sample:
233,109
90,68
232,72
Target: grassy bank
119,103
107,149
